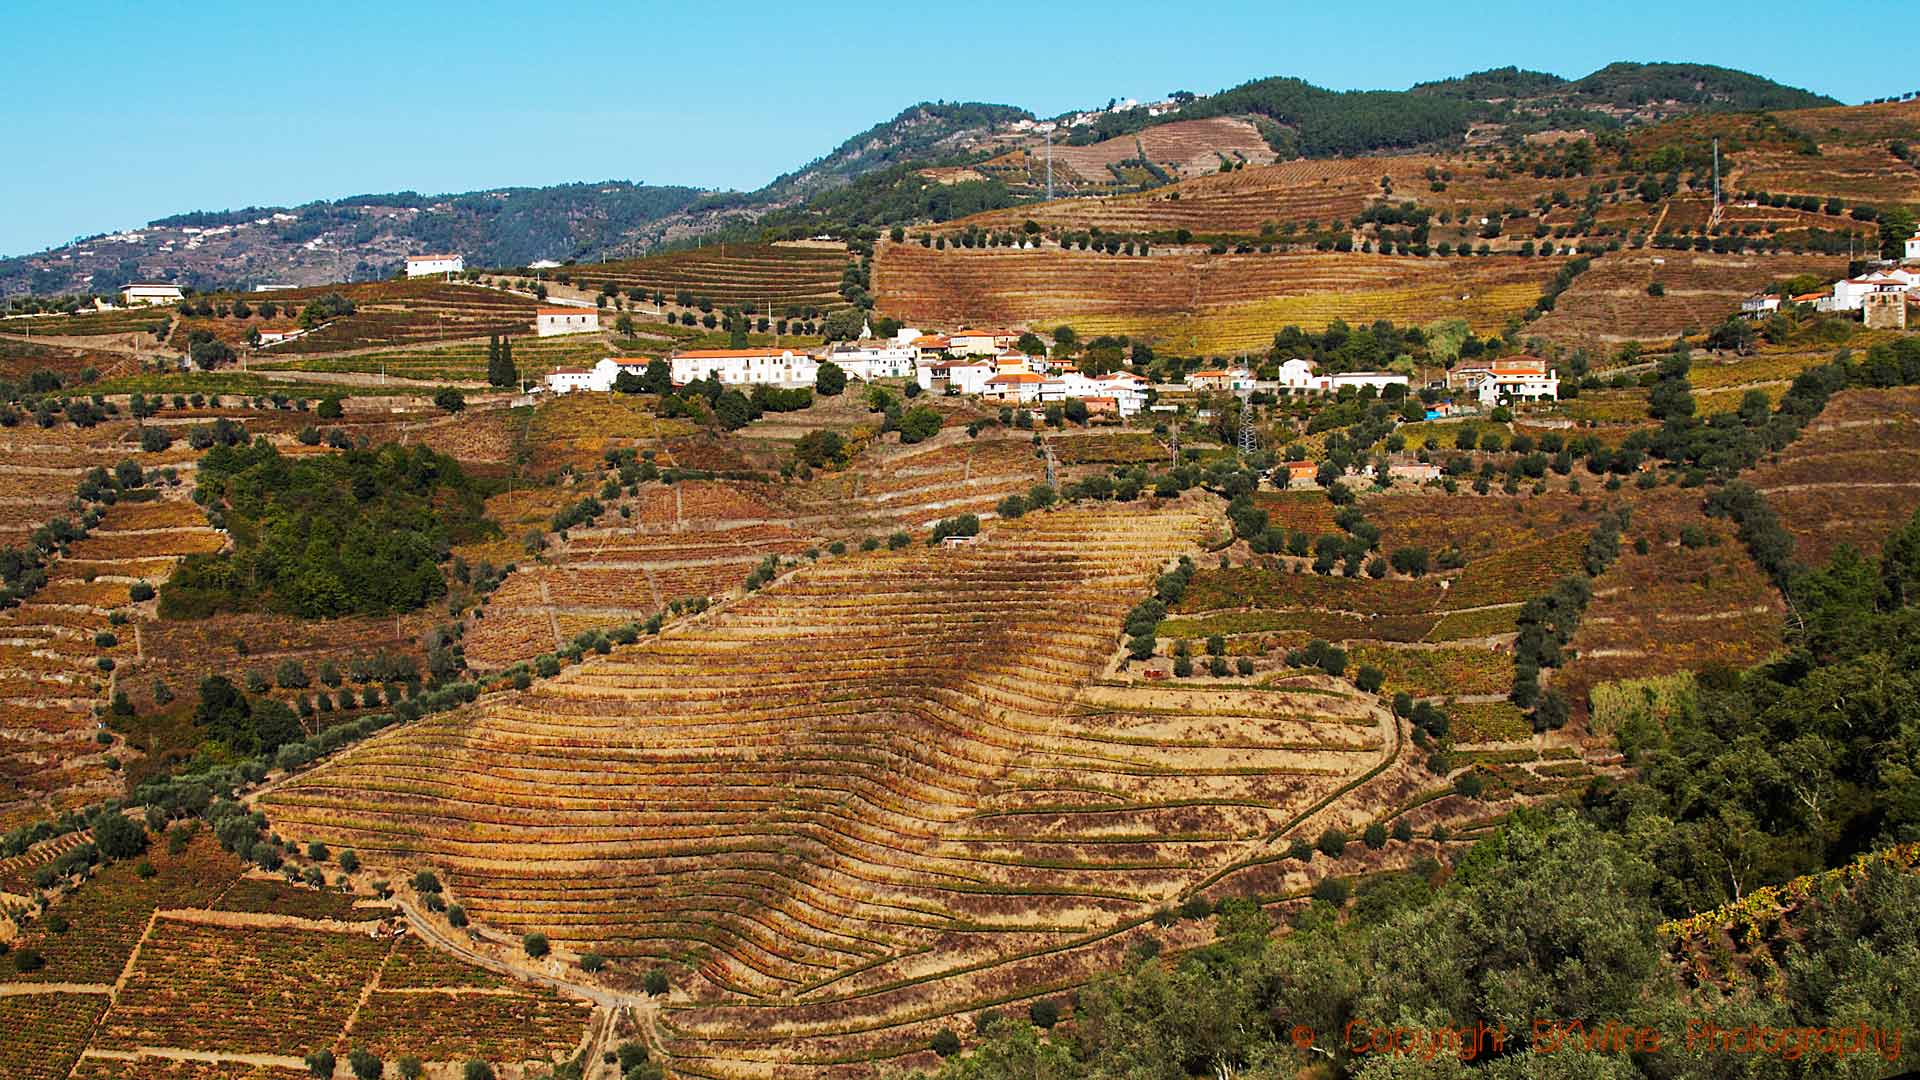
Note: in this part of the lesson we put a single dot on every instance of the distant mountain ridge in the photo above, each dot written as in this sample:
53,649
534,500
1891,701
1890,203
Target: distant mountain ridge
368,236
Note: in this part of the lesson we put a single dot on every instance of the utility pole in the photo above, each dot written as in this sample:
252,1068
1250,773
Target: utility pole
1049,162
1716,174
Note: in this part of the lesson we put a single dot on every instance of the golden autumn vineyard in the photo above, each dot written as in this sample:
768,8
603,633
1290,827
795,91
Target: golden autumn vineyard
1312,563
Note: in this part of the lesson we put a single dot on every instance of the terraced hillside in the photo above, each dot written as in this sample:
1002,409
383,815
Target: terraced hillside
1197,303
1610,302
194,970
1183,148
701,538
879,793
747,275
395,313
1851,477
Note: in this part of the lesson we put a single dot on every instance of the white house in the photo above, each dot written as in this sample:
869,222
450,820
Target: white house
1848,295
745,367
554,321
144,293
1755,307
1913,248
568,379
868,361
1511,378
955,376
429,265
1298,376
275,337
1014,387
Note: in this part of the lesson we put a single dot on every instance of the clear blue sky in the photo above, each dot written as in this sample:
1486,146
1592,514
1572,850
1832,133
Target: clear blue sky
119,114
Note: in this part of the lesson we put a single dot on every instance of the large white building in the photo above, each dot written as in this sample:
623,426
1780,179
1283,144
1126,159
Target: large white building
1913,248
745,367
1850,294
870,360
429,265
554,321
143,293
1298,376
1510,378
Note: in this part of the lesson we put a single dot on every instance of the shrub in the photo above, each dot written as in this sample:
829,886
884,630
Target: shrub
1369,679
364,1064
426,881
477,1070
456,916
945,1043
1376,836
1333,890
536,945
656,982
410,1067
1468,784
140,592
592,962
28,960
349,861
1044,1013
1332,843
320,1063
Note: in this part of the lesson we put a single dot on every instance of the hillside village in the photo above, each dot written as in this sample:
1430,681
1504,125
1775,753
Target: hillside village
1121,634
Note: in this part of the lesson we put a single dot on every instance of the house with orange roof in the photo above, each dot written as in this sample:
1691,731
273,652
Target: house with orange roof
1507,379
554,321
1238,378
982,342
1014,387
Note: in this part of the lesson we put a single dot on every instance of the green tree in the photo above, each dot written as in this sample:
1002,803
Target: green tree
450,399
830,380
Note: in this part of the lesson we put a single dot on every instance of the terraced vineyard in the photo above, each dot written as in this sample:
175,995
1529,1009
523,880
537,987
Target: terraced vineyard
702,538
464,362
1851,477
739,274
1197,302
1609,303
879,793
1241,202
395,313
60,652
1679,607
195,972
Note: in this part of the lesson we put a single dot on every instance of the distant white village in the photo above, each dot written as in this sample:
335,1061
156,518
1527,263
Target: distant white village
986,364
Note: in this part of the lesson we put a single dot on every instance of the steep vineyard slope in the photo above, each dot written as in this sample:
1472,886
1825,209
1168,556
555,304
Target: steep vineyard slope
881,790
1193,301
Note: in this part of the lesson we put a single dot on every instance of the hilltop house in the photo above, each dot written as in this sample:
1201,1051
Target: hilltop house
144,293
1510,378
1913,248
429,265
554,321
745,367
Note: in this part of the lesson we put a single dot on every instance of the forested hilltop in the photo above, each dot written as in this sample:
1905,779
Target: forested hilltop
363,237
